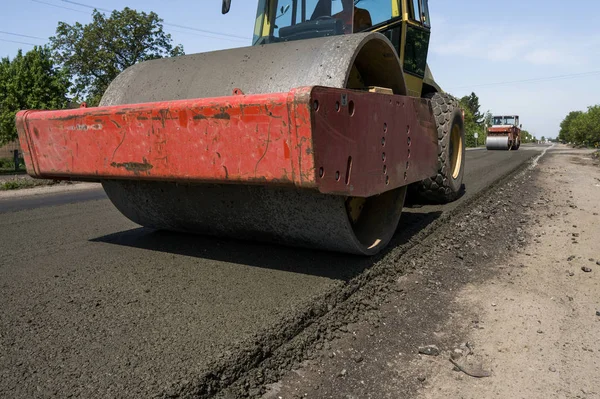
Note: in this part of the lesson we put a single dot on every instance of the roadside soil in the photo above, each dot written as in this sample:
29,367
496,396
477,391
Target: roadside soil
509,291
5,176
19,184
17,181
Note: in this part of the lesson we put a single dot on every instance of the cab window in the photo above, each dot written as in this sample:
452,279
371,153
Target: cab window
378,11
425,13
323,8
417,38
419,11
304,19
366,12
413,13
283,16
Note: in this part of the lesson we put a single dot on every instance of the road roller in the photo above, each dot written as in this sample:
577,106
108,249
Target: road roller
504,133
309,137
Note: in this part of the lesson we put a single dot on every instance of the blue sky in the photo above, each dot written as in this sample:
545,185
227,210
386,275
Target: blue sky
488,47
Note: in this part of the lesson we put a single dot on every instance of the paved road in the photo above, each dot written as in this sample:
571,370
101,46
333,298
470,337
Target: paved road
15,203
94,306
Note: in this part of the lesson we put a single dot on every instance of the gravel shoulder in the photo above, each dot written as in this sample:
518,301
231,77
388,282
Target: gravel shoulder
538,324
45,189
500,290
19,185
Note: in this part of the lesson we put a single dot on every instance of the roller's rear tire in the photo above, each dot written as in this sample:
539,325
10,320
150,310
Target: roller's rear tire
516,145
446,185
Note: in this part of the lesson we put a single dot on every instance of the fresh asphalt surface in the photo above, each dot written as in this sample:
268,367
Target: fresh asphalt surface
45,200
95,306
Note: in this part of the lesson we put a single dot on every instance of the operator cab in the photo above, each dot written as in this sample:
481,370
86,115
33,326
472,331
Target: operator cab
405,23
512,120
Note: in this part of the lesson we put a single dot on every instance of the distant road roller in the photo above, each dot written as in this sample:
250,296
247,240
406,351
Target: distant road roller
309,137
504,134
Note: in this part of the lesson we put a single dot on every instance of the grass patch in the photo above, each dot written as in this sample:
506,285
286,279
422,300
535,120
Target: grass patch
26,183
10,185
7,166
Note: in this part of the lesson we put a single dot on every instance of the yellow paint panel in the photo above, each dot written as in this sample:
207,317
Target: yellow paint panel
396,8
414,85
266,26
259,25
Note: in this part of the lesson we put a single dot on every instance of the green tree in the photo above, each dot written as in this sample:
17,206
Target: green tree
582,127
472,103
585,128
566,132
29,81
593,116
526,137
94,54
472,126
488,118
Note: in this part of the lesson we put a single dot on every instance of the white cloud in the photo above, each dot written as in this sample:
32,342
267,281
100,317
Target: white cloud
507,49
544,57
505,44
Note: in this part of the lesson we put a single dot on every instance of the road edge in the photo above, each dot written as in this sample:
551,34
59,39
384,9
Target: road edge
45,190
271,354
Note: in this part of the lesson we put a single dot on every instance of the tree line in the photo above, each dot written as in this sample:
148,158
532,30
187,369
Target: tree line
581,127
78,63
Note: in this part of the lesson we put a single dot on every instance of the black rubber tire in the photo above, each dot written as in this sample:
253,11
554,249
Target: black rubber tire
516,146
443,187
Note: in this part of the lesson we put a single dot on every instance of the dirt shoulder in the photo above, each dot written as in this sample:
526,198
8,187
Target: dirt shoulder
21,185
505,290
538,328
